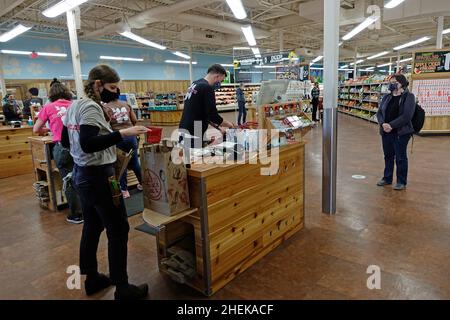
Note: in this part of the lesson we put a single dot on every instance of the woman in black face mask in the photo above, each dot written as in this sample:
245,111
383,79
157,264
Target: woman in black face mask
122,116
394,116
92,145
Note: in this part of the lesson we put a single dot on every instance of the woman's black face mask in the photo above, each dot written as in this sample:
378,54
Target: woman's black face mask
108,96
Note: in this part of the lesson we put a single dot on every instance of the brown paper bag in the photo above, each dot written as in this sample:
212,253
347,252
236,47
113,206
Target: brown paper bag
123,159
165,186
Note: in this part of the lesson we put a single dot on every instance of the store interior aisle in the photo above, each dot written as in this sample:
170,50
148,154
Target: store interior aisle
406,234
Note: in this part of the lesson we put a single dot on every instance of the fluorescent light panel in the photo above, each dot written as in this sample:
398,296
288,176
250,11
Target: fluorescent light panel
251,72
384,65
181,55
446,31
378,55
26,53
237,8
404,60
317,59
357,62
180,61
255,51
314,68
121,58
135,37
227,65
248,33
393,3
363,25
241,48
412,43
265,67
14,32
61,7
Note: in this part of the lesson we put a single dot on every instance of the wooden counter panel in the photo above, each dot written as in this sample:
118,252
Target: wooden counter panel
15,155
225,213
248,176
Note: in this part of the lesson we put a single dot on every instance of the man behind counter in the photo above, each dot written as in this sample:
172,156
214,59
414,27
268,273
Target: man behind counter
200,103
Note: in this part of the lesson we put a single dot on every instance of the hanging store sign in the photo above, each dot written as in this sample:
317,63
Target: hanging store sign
299,73
275,58
250,61
431,62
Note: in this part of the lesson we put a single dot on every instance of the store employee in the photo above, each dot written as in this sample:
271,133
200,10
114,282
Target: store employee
200,104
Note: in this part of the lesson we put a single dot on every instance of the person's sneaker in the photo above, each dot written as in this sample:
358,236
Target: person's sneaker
95,284
139,187
132,292
75,220
399,186
125,194
383,182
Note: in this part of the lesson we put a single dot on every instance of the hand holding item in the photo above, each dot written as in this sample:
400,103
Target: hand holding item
387,127
134,131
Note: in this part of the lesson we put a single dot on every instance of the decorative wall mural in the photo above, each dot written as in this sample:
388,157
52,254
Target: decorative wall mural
169,72
54,49
158,58
11,66
35,68
147,58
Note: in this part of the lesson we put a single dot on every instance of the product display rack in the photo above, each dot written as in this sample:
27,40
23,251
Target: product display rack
151,105
361,100
226,95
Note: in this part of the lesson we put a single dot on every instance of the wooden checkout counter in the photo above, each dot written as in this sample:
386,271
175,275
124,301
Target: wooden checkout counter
238,216
15,153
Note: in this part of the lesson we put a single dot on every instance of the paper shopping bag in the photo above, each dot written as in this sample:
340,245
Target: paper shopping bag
165,185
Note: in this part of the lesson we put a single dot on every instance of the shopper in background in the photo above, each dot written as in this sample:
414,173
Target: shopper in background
33,98
241,104
200,103
315,94
122,116
11,110
92,145
54,112
394,116
55,80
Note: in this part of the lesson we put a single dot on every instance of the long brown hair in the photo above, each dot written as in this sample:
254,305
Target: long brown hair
59,91
105,74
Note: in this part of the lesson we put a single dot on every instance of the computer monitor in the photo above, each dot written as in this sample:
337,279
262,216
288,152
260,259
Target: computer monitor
270,90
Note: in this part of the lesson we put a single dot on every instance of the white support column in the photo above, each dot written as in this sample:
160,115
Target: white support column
72,27
398,62
191,76
439,32
354,66
331,58
2,78
281,41
390,66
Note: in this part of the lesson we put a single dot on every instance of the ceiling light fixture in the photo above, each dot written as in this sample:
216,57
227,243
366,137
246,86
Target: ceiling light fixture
404,60
61,7
344,66
378,55
135,37
256,51
237,8
265,67
26,53
357,62
14,32
121,58
259,72
363,25
393,3
317,59
314,68
181,55
227,65
248,33
412,43
446,31
241,48
180,61
385,65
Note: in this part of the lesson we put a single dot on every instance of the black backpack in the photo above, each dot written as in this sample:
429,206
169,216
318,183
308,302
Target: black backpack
418,118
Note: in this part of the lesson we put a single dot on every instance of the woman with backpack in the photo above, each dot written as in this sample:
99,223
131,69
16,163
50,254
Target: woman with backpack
394,116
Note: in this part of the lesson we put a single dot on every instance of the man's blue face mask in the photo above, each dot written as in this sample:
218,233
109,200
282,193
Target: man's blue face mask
393,87
217,85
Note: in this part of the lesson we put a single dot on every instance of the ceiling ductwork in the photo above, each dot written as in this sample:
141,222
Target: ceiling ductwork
149,16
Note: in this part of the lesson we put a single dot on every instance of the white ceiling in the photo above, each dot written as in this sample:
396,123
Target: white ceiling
212,28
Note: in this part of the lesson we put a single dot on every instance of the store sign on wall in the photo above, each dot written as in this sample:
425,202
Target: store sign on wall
276,58
431,62
300,73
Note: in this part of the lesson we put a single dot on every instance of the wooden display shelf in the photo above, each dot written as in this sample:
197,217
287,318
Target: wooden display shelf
15,153
166,118
238,221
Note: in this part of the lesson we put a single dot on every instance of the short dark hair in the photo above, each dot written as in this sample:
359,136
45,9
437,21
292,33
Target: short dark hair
218,69
402,80
33,91
59,91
